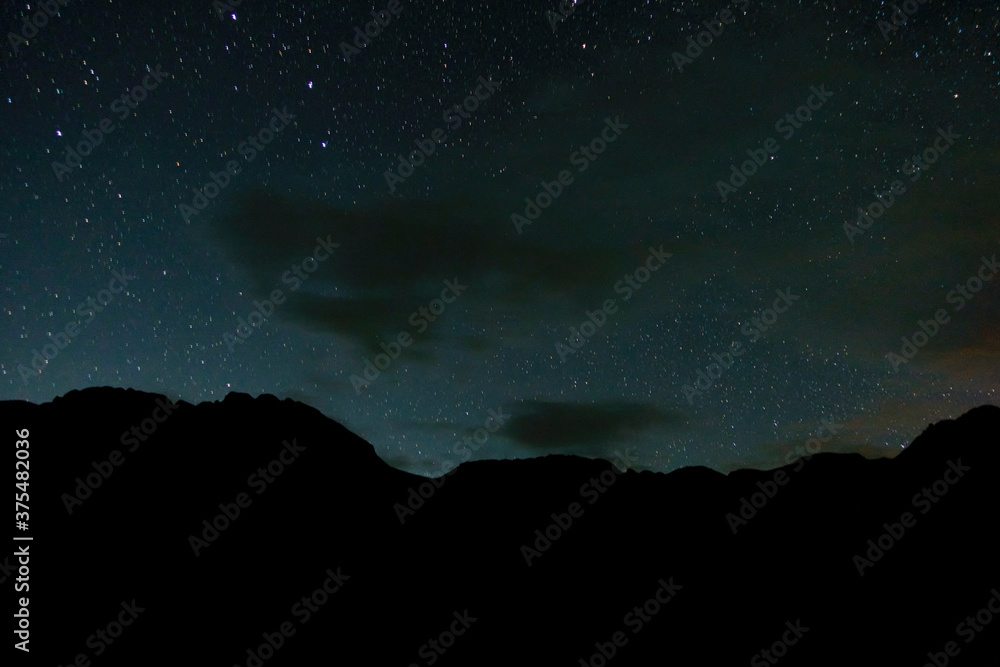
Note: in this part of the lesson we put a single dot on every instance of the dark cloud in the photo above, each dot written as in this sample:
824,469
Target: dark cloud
545,424
395,257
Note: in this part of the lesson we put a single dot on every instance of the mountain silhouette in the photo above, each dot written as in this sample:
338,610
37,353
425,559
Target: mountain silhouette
257,531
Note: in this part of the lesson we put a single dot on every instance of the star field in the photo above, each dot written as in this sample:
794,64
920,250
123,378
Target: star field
265,147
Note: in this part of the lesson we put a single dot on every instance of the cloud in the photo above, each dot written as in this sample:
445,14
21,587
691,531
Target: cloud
545,424
395,256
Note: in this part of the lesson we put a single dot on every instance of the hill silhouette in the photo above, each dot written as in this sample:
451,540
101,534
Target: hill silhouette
175,532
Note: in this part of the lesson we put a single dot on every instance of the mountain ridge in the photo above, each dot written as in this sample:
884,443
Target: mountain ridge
549,554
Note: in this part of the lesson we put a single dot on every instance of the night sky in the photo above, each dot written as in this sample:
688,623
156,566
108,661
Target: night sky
622,232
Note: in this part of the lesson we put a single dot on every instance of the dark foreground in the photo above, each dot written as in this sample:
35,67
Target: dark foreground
258,532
